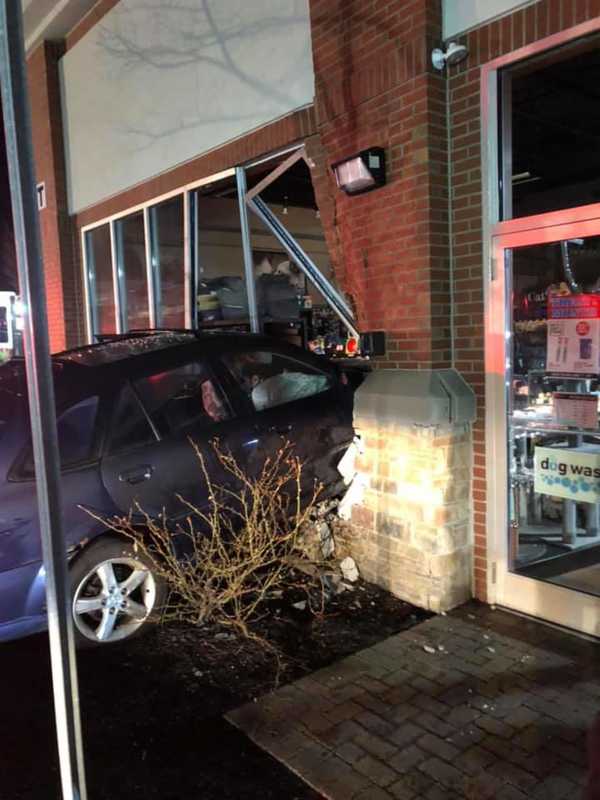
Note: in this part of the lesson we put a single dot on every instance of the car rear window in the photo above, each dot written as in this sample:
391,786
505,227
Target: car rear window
76,431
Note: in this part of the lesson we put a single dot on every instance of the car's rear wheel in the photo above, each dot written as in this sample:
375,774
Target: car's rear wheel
115,593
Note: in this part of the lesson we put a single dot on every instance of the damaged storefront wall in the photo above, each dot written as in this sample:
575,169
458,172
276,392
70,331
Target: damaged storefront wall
244,250
410,500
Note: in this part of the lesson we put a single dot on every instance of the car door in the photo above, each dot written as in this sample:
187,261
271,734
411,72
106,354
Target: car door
79,429
163,423
292,396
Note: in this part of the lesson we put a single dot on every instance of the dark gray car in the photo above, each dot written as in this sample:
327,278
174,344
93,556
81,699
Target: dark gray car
126,410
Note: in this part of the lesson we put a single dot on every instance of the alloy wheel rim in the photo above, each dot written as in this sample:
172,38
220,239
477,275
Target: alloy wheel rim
114,600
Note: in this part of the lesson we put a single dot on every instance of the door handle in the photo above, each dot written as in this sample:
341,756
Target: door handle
137,474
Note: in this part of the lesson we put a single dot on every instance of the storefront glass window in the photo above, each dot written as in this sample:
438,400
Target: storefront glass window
167,254
218,256
554,432
100,280
132,272
550,125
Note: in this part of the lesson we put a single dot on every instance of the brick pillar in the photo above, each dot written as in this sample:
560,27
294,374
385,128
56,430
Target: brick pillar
55,225
410,529
375,87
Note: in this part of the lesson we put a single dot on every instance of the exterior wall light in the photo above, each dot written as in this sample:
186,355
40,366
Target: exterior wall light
454,54
361,172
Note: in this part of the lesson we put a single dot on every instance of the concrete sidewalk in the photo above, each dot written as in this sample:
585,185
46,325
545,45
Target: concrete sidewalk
477,704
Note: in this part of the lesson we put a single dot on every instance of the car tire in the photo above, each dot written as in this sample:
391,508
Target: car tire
115,595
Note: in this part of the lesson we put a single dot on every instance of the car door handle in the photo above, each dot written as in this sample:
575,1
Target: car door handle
137,474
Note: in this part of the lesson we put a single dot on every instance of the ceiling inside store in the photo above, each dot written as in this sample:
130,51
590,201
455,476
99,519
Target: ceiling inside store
556,134
292,188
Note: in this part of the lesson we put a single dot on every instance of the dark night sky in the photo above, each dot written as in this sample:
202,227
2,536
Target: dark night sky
8,269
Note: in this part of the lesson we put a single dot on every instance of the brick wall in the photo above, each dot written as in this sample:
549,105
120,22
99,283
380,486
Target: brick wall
62,292
486,43
375,86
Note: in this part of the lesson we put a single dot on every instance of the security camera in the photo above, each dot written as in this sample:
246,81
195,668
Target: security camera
454,54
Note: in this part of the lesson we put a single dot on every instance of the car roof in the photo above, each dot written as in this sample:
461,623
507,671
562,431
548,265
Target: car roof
125,355
140,345
124,346
98,368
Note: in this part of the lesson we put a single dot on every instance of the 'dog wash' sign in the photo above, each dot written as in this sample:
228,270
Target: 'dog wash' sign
572,473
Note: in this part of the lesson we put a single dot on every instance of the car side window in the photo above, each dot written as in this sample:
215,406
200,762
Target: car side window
76,430
182,398
130,427
271,379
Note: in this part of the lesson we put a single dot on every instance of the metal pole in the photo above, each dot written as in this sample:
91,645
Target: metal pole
40,389
240,175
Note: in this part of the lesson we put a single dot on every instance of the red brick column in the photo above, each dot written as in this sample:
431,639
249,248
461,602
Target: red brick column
375,87
62,285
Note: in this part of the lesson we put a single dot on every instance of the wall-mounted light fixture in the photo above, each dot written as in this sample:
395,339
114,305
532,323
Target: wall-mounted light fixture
454,54
361,172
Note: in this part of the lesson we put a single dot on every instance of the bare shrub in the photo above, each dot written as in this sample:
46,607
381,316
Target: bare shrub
242,550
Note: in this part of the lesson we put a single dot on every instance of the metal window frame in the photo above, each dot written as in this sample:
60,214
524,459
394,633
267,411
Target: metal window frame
120,286
89,264
116,282
194,265
188,234
493,226
190,281
247,250
276,173
296,253
153,277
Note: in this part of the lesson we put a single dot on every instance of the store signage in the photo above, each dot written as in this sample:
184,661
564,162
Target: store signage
575,410
573,338
572,473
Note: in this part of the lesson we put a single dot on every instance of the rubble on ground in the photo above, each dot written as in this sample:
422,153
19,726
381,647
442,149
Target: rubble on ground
349,569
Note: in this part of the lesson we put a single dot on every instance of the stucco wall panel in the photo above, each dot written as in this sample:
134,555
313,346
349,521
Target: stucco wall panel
154,85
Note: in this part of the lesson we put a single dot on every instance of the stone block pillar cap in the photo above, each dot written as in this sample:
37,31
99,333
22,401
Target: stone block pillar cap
399,397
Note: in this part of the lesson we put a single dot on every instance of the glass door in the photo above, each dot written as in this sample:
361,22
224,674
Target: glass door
544,381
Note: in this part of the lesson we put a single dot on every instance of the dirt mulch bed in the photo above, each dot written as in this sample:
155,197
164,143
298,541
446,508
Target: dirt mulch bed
152,708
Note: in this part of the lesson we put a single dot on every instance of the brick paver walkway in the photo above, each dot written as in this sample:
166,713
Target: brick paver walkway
499,709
